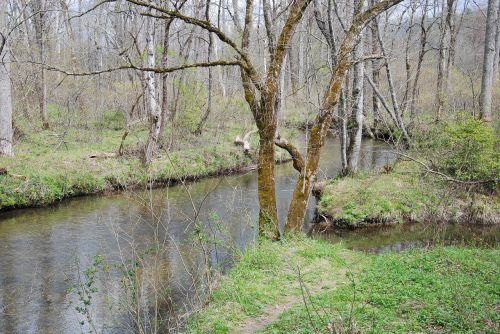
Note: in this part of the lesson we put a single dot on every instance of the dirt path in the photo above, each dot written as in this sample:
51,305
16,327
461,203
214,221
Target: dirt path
272,312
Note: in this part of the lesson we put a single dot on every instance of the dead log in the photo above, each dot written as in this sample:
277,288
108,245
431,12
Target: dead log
245,142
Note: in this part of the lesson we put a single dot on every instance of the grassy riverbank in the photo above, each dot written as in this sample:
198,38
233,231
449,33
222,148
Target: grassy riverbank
306,286
403,193
48,167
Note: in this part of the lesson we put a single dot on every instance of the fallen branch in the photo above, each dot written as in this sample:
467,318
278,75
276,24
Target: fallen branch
102,155
4,171
245,142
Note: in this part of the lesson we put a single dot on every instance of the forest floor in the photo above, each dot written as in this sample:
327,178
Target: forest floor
67,161
301,285
403,193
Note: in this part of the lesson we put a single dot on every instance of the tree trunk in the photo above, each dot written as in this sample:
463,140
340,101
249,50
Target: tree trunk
268,213
443,71
488,62
497,48
302,191
6,132
165,115
40,25
357,106
294,78
421,54
343,130
375,71
204,119
392,89
153,107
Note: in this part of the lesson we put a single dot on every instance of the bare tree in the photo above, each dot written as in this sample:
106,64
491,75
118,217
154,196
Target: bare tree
308,166
424,33
497,47
448,10
375,70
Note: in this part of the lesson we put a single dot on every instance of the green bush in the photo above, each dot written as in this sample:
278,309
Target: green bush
465,148
473,150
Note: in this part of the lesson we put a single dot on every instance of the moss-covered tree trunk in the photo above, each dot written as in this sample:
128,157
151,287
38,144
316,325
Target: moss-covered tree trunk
302,191
268,214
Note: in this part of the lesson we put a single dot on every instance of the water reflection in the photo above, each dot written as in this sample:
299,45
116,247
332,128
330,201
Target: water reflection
44,252
382,239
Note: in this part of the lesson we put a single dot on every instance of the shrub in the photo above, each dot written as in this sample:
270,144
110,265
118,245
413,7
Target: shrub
473,150
465,148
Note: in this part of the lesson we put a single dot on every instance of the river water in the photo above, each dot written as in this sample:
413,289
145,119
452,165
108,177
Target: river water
159,240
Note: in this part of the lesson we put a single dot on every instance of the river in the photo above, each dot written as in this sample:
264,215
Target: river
165,236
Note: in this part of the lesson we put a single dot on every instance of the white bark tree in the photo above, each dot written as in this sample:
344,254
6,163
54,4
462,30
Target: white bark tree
5,88
152,96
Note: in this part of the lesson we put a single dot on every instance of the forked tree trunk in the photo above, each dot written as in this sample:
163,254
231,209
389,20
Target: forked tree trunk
5,90
265,112
489,58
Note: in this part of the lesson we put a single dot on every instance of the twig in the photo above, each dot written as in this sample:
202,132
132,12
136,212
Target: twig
446,177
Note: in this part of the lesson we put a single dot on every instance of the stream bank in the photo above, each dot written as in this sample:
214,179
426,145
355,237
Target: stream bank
41,175
400,193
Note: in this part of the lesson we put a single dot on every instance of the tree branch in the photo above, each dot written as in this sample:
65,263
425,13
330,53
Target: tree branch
145,69
298,159
446,177
206,26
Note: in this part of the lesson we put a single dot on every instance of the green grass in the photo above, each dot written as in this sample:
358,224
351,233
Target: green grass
266,275
442,290
53,171
402,194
